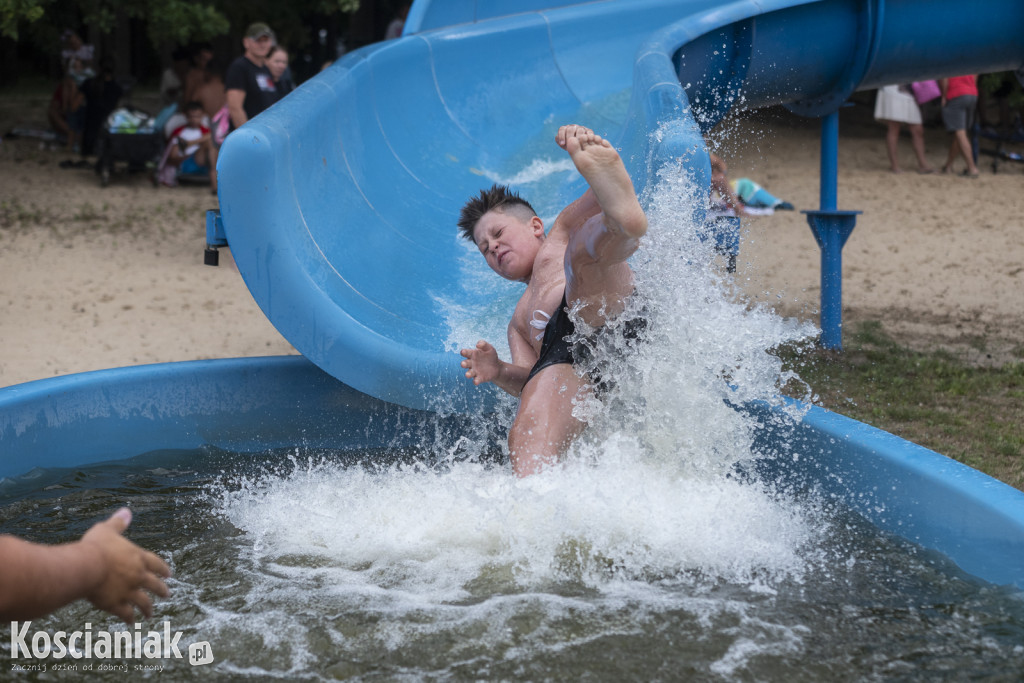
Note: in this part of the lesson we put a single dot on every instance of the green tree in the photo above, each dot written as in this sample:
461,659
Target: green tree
15,12
176,22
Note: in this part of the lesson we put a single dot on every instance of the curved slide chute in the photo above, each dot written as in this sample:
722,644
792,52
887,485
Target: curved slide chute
340,202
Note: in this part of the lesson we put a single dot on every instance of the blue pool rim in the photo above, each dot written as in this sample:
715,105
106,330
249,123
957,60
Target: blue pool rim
252,405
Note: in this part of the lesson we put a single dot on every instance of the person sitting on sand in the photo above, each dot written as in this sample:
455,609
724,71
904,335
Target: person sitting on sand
720,184
190,151
103,567
580,265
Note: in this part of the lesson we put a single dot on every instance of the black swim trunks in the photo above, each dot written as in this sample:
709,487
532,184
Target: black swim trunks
555,347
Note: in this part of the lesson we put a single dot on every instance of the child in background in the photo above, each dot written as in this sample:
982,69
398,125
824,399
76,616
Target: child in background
190,151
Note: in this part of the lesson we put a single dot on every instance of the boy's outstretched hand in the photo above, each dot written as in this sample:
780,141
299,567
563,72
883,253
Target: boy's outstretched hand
482,363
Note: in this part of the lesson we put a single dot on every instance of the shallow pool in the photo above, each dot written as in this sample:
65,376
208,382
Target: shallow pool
376,565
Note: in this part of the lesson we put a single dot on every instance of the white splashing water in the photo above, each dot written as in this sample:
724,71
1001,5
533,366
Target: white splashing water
648,495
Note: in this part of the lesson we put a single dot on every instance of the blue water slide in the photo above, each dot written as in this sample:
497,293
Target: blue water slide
340,202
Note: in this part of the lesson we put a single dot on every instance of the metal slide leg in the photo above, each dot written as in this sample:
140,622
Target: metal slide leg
831,229
215,238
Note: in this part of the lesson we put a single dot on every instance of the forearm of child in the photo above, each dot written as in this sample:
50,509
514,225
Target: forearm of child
483,365
511,378
37,579
103,567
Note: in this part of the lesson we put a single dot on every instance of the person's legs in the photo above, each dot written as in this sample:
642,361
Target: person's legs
596,275
76,123
892,141
954,150
963,145
917,139
57,120
958,115
544,427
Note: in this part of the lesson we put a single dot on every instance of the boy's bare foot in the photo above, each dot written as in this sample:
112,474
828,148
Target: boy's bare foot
600,165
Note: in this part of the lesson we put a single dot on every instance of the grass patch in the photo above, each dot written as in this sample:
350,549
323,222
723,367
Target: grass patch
972,414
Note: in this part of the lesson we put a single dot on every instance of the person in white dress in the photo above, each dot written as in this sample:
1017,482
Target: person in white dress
896,107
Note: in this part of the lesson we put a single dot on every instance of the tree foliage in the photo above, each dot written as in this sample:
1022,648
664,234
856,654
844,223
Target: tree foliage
174,22
13,13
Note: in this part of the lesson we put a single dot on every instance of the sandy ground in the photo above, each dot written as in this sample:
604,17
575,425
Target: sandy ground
938,259
93,277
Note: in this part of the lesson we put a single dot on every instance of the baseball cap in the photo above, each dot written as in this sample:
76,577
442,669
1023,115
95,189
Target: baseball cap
258,30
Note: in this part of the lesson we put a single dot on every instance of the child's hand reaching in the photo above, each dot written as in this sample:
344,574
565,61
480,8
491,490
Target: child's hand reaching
103,567
482,363
128,571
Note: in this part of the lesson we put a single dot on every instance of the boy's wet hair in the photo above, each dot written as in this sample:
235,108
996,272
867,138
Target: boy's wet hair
499,198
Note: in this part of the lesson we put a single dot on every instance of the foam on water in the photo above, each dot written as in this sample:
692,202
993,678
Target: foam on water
431,536
650,495
467,563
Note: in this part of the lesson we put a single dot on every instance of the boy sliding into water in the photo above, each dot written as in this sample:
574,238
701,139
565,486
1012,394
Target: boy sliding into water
581,262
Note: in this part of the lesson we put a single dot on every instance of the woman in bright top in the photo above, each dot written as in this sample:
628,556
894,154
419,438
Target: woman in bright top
959,102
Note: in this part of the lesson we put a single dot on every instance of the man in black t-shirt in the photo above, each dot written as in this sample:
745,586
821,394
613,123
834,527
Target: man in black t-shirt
247,80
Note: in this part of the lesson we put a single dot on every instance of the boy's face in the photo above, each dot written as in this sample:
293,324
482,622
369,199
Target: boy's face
195,118
508,243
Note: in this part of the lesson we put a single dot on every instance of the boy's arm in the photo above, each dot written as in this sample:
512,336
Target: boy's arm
483,365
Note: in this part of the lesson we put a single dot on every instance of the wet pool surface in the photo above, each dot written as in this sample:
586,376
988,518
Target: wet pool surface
303,565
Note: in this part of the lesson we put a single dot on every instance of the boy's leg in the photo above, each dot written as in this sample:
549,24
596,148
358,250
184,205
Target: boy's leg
601,166
596,270
544,427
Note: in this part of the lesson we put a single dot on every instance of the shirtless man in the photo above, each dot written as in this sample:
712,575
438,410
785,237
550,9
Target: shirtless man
581,261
